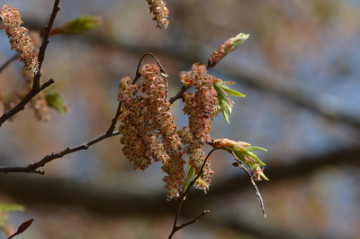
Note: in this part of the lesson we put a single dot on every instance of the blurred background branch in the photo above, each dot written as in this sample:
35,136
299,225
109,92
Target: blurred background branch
120,201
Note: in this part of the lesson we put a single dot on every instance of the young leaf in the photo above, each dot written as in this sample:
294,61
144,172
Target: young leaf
11,207
53,100
226,116
244,154
264,176
78,25
189,177
233,92
256,158
225,102
251,148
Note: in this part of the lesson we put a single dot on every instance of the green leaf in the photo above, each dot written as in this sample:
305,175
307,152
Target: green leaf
53,100
233,92
11,207
189,176
226,116
256,158
224,87
239,39
78,25
224,102
226,105
264,177
251,148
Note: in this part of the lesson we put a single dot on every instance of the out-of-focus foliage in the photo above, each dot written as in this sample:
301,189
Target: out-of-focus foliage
78,25
53,100
5,226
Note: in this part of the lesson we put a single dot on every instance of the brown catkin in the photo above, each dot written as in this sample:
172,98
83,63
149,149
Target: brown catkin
201,107
19,37
148,128
160,11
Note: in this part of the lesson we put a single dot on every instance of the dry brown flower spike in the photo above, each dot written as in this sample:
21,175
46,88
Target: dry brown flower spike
160,11
19,37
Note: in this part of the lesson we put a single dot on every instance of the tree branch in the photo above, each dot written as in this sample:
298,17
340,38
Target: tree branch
33,168
192,221
45,42
179,94
114,120
239,164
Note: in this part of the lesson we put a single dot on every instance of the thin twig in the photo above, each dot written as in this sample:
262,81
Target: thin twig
179,94
45,42
138,75
114,120
163,73
8,62
184,195
261,201
193,220
33,168
239,164
21,105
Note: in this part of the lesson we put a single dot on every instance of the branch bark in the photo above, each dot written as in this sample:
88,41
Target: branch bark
45,42
33,168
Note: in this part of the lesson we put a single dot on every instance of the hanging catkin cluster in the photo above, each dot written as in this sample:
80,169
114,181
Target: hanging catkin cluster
160,11
148,128
19,37
150,134
201,107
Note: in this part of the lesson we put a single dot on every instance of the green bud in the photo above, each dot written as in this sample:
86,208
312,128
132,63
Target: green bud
53,100
78,25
